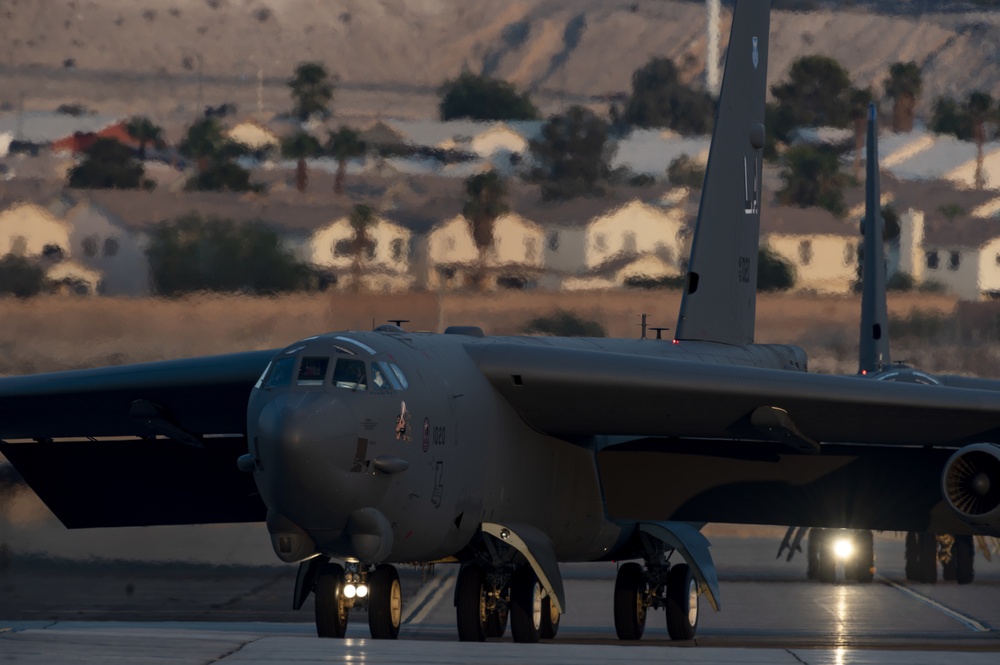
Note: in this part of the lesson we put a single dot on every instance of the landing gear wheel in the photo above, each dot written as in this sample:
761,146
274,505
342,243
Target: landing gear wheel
525,606
496,621
927,558
550,619
630,601
470,605
827,570
331,608
385,603
812,568
682,603
963,554
912,558
864,558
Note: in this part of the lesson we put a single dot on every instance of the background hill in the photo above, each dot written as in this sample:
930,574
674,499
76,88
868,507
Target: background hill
159,57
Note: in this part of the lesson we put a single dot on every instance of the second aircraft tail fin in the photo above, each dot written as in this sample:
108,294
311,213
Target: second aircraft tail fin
720,289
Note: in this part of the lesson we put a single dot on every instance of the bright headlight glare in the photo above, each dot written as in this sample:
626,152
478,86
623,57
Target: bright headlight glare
843,548
350,591
362,591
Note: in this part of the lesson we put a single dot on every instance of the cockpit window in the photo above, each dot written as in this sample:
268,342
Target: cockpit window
312,371
399,375
350,373
380,380
387,373
281,373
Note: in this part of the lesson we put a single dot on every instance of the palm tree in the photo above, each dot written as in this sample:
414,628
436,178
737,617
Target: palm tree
903,85
144,131
300,146
362,217
484,203
311,90
344,144
980,109
204,142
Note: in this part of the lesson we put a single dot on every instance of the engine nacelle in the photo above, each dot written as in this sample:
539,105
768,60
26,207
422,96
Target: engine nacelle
971,484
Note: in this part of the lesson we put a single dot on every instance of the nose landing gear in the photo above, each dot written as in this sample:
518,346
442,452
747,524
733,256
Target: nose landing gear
338,590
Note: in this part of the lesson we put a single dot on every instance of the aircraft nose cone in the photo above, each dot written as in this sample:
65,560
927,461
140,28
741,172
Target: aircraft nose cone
303,442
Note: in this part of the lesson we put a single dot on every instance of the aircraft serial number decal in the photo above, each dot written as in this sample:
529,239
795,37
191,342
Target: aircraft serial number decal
439,435
743,272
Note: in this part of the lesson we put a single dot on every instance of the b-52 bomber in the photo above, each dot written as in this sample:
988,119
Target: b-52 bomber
508,455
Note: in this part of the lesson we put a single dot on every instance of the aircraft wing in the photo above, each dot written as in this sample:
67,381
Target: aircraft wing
144,444
574,392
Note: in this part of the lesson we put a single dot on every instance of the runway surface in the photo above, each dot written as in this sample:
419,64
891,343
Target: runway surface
63,611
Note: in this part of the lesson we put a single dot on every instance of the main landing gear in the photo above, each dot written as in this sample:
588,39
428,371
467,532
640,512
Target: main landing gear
852,549
639,589
487,596
338,590
924,550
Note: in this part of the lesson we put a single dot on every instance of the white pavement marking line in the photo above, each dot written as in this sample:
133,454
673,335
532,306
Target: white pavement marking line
428,597
966,621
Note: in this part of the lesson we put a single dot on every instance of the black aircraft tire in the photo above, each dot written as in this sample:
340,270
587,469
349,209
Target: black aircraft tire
912,557
682,603
385,603
864,558
963,554
525,606
927,562
630,601
331,612
815,538
550,619
827,569
469,604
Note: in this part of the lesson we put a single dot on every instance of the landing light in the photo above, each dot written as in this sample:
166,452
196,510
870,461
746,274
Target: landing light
350,591
843,548
362,591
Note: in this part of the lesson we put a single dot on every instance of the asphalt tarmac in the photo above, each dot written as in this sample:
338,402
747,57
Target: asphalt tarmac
81,609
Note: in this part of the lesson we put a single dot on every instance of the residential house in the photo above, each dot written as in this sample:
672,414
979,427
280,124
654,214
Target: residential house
101,242
384,261
254,136
515,259
651,151
635,229
822,250
28,229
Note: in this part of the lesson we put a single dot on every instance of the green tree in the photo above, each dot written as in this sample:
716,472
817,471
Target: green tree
192,254
812,177
20,277
564,324
342,145
572,155
300,146
483,98
145,132
108,165
817,94
362,218
484,203
773,272
659,99
312,90
214,152
903,85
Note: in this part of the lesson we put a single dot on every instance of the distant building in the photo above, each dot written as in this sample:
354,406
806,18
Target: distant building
822,250
515,258
385,259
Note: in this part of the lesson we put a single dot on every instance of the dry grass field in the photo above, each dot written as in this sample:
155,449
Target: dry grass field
56,333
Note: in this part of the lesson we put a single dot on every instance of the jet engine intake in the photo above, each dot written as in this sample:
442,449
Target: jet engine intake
971,484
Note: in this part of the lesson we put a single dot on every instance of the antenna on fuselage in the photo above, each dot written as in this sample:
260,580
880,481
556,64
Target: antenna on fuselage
398,322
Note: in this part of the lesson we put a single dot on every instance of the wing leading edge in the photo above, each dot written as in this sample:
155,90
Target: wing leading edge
573,392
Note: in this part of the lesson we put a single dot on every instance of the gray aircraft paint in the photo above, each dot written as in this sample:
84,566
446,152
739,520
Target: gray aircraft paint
874,337
720,293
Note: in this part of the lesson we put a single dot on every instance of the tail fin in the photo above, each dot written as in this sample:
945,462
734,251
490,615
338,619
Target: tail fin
720,291
873,348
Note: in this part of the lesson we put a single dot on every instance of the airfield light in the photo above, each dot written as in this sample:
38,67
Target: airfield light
843,548
350,591
362,591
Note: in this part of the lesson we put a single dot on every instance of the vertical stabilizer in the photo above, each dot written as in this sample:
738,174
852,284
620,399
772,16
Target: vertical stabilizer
873,347
720,290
